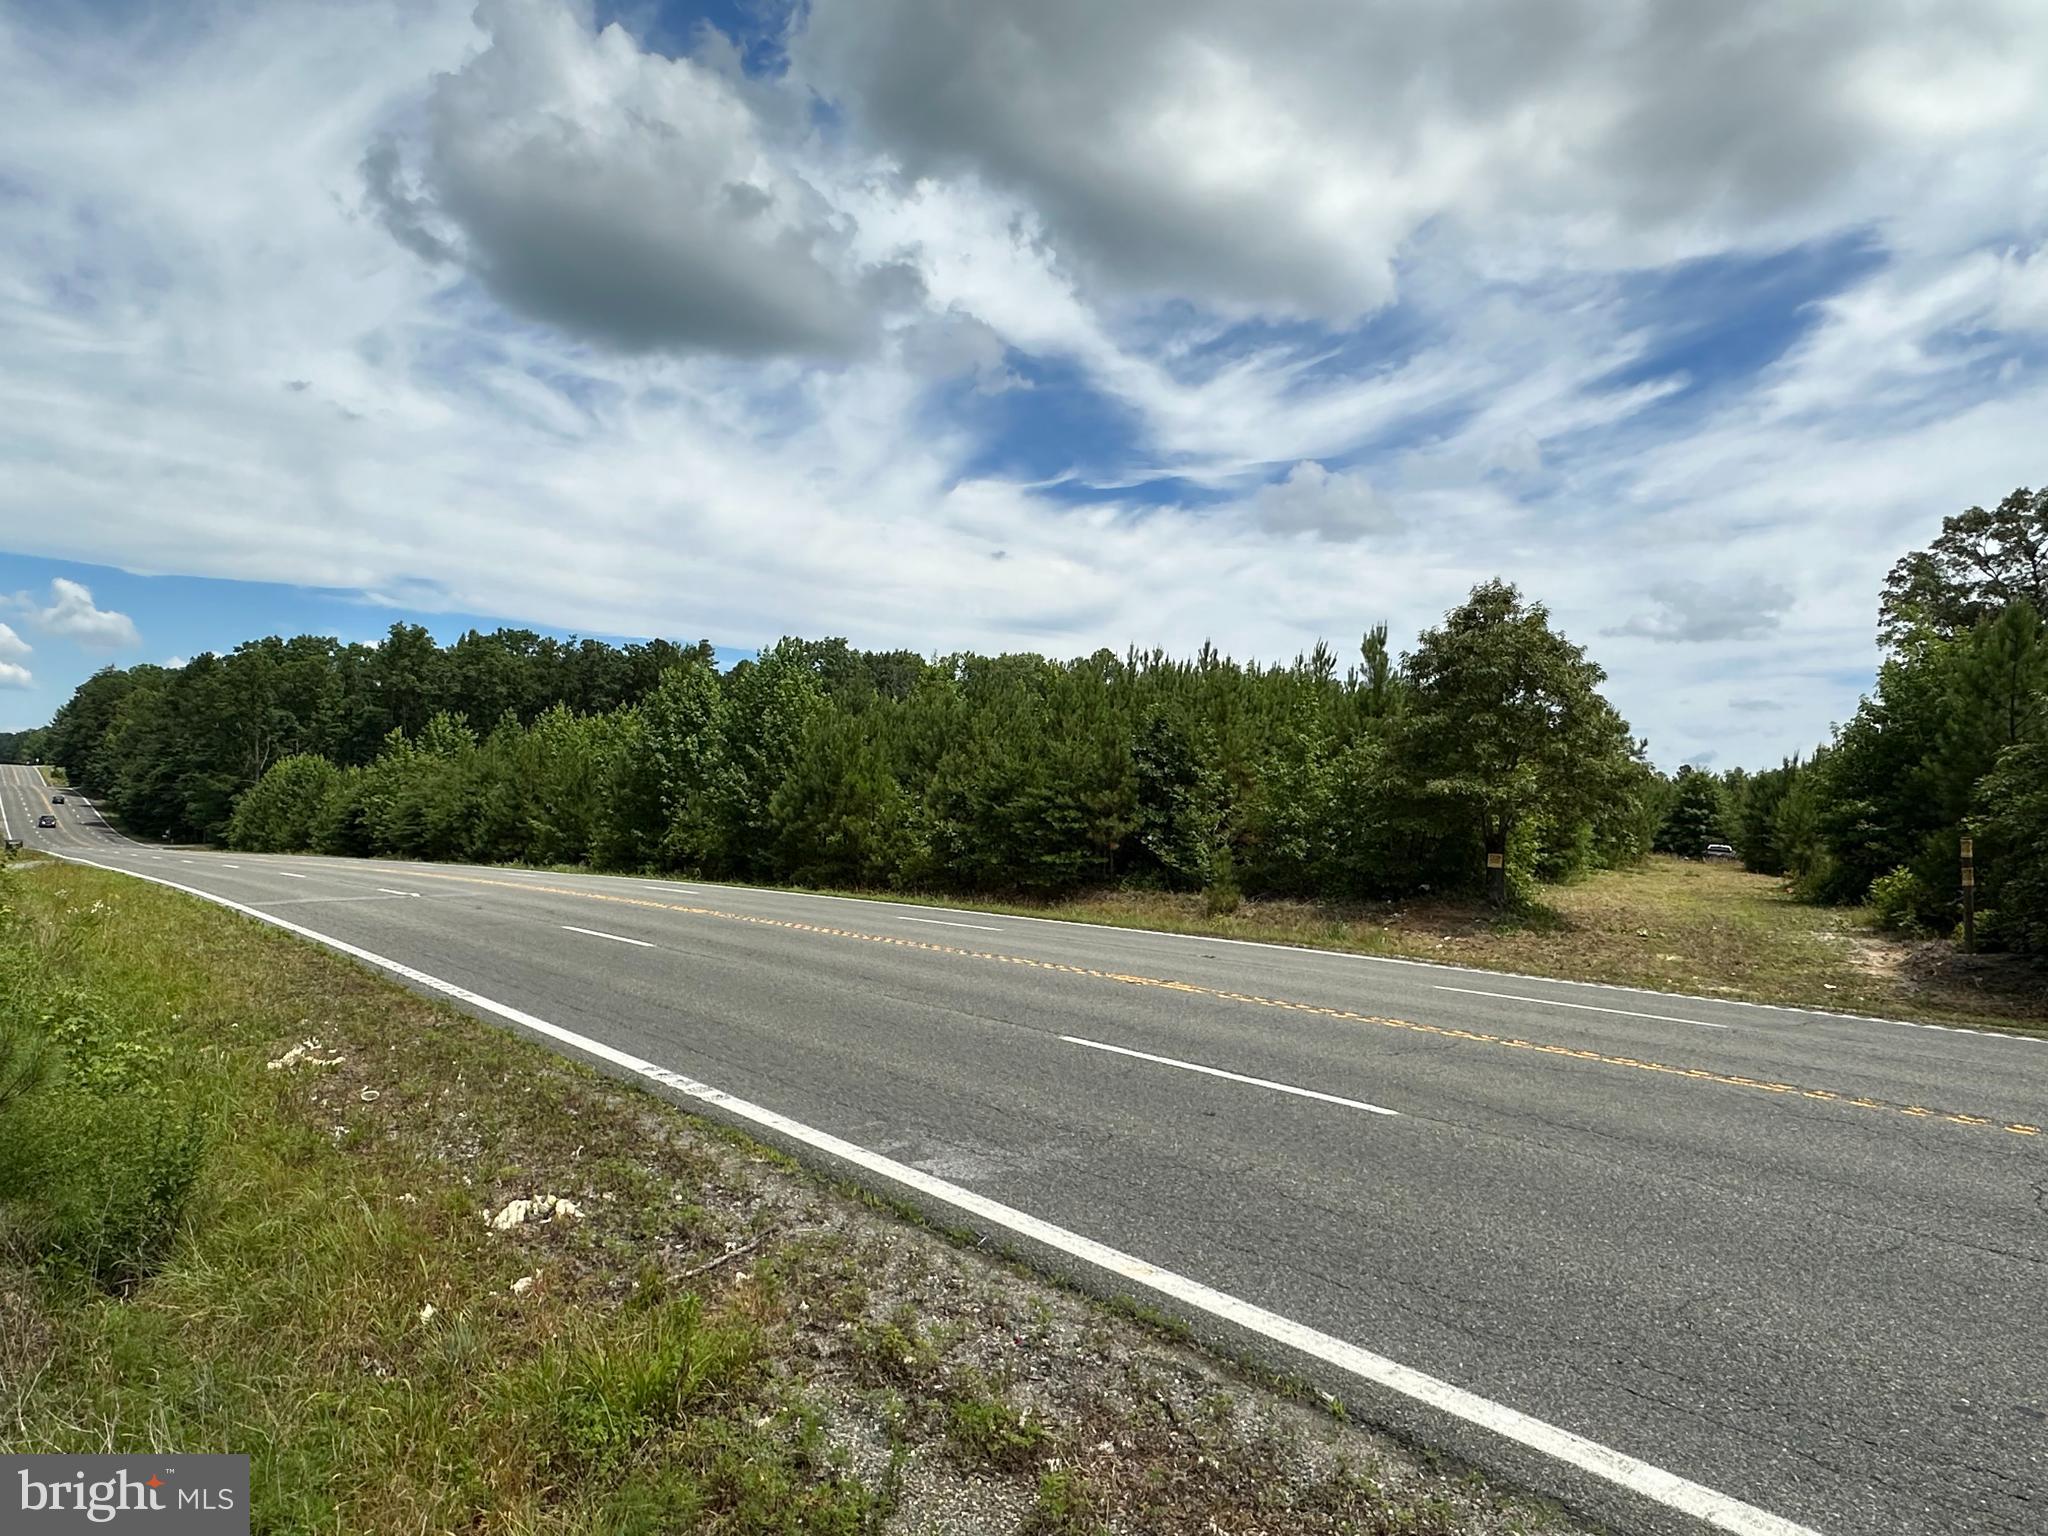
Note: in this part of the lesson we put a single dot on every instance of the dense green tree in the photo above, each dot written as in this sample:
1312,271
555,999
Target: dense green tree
1981,562
840,816
1698,814
24,746
1179,799
282,811
2012,820
1505,724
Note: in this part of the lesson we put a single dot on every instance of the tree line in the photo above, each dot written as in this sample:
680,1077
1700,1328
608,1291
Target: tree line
1952,742
818,763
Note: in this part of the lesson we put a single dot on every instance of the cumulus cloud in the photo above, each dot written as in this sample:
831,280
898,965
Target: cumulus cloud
628,197
1696,611
1282,155
13,675
71,613
12,646
1337,508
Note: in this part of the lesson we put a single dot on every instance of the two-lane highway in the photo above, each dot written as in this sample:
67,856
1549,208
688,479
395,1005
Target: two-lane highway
1793,1262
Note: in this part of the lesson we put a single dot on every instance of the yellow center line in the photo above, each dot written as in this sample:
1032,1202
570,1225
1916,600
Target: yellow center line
1124,978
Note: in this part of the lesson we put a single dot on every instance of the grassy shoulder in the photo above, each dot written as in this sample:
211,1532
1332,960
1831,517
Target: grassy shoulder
1670,924
53,776
254,1198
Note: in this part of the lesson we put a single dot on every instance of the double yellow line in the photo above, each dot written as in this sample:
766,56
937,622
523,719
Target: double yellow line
1124,978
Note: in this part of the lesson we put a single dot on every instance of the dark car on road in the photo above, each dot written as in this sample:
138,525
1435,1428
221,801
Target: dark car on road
56,799
46,820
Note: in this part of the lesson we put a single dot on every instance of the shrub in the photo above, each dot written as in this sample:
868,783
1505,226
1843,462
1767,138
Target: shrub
1221,897
100,1149
1899,900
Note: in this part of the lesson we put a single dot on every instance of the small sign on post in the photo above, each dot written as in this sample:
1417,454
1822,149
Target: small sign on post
1969,850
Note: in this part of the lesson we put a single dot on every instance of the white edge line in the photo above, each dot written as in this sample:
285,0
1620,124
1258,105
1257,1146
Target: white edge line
1624,1471
1558,1002
616,938
1235,1077
940,922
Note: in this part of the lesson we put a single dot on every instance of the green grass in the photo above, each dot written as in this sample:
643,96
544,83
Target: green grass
705,1349
285,1314
53,775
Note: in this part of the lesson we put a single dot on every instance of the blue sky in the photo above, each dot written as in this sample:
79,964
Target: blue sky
178,617
1044,326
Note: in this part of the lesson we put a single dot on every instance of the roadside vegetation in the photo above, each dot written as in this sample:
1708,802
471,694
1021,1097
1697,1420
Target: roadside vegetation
1487,746
820,764
433,1277
1952,742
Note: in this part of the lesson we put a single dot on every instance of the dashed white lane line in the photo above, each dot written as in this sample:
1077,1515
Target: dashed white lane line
940,922
231,866
1235,1077
1720,1510
616,938
287,874
1556,1002
390,892
308,901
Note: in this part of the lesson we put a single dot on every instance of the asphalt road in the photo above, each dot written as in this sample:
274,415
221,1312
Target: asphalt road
1797,1258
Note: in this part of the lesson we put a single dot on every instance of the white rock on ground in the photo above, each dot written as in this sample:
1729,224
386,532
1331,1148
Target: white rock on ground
548,1207
304,1052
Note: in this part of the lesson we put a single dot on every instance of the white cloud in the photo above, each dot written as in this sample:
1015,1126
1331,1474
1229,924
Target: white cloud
11,644
625,196
1735,608
14,676
1336,508
177,663
71,613
1282,155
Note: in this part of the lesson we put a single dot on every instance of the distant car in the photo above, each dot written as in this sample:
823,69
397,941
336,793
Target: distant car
46,820
1720,851
56,799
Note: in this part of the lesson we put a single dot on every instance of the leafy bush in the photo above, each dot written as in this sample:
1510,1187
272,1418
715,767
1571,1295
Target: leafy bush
100,1150
1899,899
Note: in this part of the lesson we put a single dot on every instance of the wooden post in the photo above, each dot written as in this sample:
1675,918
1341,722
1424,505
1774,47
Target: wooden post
1969,896
1497,878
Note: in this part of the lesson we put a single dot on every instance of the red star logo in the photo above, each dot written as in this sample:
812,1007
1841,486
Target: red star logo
155,1482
